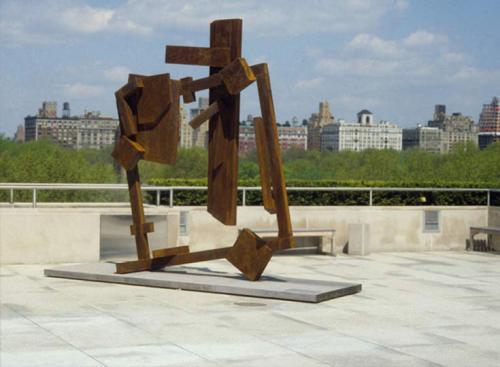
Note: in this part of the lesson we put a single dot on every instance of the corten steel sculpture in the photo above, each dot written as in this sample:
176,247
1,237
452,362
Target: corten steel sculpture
148,108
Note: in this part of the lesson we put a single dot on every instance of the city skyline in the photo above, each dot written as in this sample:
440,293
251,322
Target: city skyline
396,58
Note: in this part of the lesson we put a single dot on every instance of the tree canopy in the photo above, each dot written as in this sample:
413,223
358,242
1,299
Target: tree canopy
42,161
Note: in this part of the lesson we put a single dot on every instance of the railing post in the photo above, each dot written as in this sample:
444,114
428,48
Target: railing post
244,198
34,198
488,198
157,197
371,197
12,196
171,198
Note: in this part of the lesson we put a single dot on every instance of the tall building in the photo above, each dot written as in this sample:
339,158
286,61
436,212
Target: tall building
430,139
457,128
489,123
246,142
49,109
292,137
200,135
288,137
316,123
441,133
186,131
19,134
438,117
361,135
88,131
423,137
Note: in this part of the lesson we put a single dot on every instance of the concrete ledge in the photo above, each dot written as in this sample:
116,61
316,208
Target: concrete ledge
210,281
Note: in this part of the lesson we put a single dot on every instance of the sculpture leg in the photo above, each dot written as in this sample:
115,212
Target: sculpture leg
140,228
264,165
270,134
223,130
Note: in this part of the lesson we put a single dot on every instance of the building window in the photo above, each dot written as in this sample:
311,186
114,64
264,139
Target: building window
431,221
183,223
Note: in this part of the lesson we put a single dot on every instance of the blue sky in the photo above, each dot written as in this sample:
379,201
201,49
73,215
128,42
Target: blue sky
396,58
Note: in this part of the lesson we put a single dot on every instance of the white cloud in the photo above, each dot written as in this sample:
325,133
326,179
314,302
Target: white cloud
56,20
309,83
472,74
402,4
466,73
369,55
352,102
424,38
453,57
360,67
85,19
370,71
82,91
374,44
275,18
117,73
46,22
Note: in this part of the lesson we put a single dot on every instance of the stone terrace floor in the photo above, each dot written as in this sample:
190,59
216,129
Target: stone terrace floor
416,309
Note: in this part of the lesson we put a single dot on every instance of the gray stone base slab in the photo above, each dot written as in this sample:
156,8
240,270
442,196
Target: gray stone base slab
204,280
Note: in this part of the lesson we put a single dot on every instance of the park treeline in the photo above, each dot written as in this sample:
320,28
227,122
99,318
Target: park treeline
45,162
464,167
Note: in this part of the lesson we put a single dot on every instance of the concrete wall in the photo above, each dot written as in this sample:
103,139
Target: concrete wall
46,235
391,228
494,221
30,236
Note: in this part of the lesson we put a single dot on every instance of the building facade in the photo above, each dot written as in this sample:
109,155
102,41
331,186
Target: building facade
200,135
489,123
19,134
316,123
438,117
441,133
288,137
430,139
89,131
423,137
457,128
186,131
190,137
362,135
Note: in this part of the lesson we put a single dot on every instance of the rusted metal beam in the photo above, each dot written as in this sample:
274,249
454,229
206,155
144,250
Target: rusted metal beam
177,259
264,165
169,251
223,130
204,115
205,56
134,189
273,149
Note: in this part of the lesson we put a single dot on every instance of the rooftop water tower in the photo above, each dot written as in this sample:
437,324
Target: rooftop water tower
66,111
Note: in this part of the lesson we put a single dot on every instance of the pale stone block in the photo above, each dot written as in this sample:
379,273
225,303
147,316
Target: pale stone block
172,229
359,239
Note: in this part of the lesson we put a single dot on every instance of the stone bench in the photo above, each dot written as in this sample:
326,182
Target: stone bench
490,231
304,232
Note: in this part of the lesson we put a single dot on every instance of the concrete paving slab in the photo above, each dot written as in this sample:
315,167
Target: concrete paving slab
395,321
205,280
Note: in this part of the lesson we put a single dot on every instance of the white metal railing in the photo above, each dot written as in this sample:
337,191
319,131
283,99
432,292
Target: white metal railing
34,187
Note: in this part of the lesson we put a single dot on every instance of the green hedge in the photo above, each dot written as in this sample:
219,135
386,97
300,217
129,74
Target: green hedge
65,196
332,198
495,199
329,183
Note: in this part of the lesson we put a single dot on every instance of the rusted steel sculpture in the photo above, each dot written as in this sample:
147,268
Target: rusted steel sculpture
148,108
